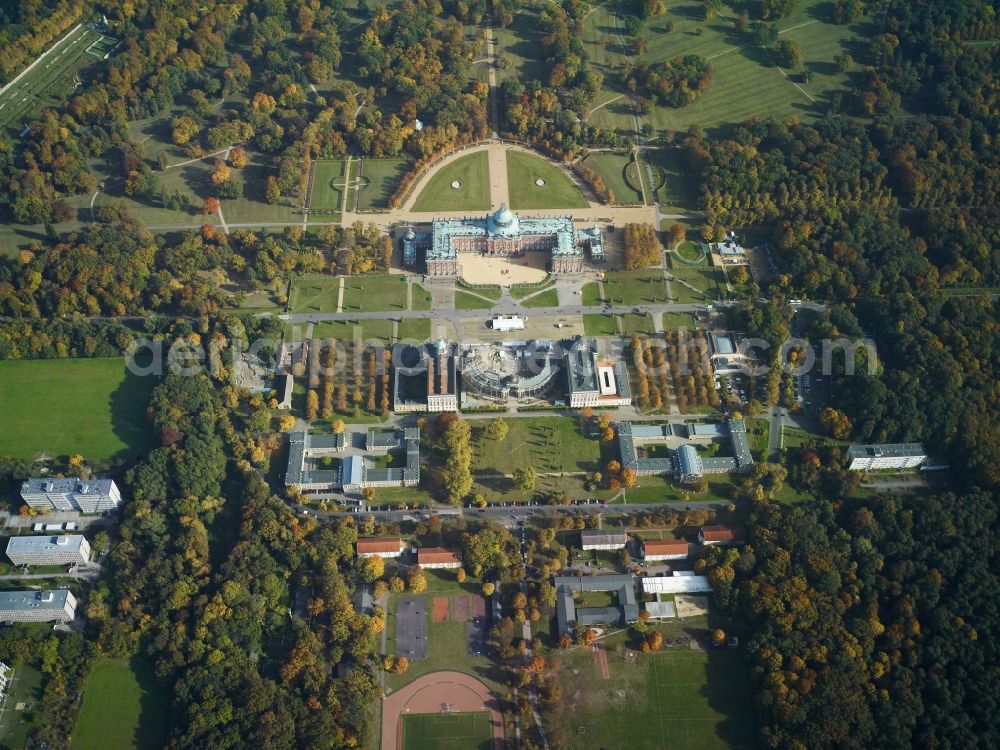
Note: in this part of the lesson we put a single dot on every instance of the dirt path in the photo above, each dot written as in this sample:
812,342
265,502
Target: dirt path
428,694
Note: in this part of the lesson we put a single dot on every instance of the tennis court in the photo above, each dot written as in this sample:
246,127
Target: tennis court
448,731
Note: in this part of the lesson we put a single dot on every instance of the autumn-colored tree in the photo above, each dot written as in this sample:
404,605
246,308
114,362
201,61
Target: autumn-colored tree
613,467
718,637
589,637
286,422
312,404
565,641
603,421
396,585
272,189
628,477
211,206
416,581
537,663
221,173
372,568
586,412
460,575
655,640
488,588
607,434
238,158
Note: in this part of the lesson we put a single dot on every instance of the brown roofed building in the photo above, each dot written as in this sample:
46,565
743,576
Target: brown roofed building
380,546
722,536
670,549
439,557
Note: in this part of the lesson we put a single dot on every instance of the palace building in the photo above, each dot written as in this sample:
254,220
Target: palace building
503,233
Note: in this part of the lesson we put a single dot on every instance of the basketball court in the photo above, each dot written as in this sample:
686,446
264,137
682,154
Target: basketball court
411,628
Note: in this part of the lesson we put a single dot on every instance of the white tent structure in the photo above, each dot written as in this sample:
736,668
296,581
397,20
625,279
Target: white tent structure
675,585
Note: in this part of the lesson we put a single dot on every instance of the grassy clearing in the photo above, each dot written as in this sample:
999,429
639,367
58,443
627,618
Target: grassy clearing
611,168
472,172
458,731
468,301
635,287
699,283
374,293
674,321
94,407
420,298
548,298
635,324
678,698
379,178
598,324
25,687
123,707
590,295
314,294
520,292
559,191
328,174
549,444
673,187
351,331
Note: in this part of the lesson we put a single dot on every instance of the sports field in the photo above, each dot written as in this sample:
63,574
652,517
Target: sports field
328,186
123,707
93,407
559,191
472,172
457,731
677,699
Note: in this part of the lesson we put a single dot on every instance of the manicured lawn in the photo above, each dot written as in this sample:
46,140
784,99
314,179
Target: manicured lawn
673,186
457,731
420,298
590,295
673,321
548,298
611,168
25,687
123,707
520,292
467,301
489,291
472,171
326,174
379,178
547,444
636,324
314,294
375,293
559,191
94,407
349,331
598,324
691,284
678,698
417,329
635,287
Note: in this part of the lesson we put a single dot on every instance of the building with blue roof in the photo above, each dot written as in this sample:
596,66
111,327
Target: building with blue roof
502,233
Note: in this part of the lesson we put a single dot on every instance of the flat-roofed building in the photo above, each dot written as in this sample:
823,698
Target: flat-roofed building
439,557
722,535
675,584
886,456
664,549
380,546
592,380
83,495
37,606
597,539
569,617
48,550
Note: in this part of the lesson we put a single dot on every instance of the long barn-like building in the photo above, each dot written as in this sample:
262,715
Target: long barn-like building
502,233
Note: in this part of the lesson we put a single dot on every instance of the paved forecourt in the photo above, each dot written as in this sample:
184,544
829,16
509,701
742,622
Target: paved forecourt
439,693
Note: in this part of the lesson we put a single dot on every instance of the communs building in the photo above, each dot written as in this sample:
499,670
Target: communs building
69,493
685,463
595,381
569,616
48,550
505,234
37,606
426,378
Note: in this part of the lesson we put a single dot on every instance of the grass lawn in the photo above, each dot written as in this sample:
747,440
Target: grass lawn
599,324
473,172
467,301
678,698
673,185
418,329
458,731
673,321
662,490
549,444
636,324
314,294
327,174
123,707
100,406
420,298
375,293
379,178
548,298
635,287
351,331
611,168
692,284
520,292
25,687
559,191
590,295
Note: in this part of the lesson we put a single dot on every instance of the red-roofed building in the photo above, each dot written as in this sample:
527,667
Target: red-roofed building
670,549
722,536
439,557
380,546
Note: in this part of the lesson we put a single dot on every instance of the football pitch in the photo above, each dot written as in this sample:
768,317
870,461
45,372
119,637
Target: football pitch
455,731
